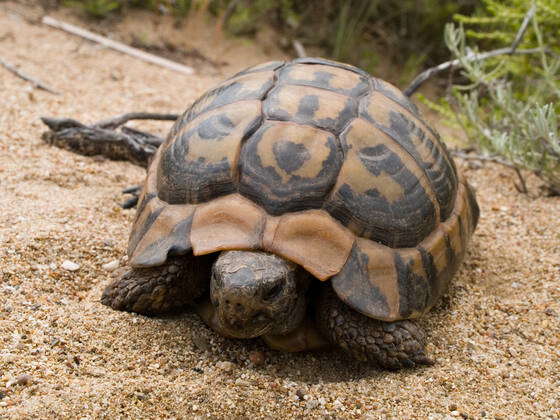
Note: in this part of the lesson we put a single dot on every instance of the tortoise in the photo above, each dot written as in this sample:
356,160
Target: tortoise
304,202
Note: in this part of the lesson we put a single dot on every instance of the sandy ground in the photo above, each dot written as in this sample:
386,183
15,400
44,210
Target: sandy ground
496,335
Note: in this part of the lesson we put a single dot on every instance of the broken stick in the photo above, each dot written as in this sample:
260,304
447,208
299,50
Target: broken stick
36,83
118,46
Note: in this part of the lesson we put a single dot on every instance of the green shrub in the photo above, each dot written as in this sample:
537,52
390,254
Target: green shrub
508,105
96,8
405,34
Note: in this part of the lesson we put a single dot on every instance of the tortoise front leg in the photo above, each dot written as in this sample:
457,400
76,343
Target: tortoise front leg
391,345
163,289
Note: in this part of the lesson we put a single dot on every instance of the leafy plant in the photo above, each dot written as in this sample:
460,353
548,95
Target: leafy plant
508,104
96,8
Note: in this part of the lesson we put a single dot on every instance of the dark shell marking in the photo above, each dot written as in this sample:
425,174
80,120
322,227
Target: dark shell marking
310,106
381,192
320,163
414,136
391,284
325,77
200,163
285,167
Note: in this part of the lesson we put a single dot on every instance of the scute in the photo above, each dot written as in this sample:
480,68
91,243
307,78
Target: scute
268,66
160,231
310,106
381,192
391,284
201,162
399,123
231,222
285,167
395,94
244,86
311,239
325,77
331,63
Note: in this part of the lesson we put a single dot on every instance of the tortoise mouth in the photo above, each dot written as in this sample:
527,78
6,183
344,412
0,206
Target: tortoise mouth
253,328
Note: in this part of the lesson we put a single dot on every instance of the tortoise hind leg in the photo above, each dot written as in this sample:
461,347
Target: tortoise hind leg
163,289
391,345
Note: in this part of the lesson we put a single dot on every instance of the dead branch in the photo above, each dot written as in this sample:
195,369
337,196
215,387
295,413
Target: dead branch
461,154
230,10
300,50
128,144
115,122
118,46
448,65
523,28
36,83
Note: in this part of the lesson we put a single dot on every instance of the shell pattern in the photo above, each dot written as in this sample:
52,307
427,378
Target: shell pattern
322,164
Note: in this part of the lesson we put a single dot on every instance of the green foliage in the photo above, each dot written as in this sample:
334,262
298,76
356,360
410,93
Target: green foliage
181,8
362,32
508,105
100,9
367,33
96,8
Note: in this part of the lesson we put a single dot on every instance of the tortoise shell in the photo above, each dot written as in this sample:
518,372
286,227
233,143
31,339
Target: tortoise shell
322,164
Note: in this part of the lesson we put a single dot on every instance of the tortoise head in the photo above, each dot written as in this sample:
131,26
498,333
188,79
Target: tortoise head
257,293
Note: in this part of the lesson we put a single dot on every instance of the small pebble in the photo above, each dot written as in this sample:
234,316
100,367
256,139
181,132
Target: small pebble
475,164
300,394
225,366
550,312
23,380
96,372
201,342
72,361
70,265
257,358
108,242
141,396
111,266
311,404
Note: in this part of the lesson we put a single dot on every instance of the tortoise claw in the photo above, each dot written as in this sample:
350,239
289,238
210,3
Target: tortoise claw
131,202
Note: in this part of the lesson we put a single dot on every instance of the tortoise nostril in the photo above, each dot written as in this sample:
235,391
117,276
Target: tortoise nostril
274,291
260,317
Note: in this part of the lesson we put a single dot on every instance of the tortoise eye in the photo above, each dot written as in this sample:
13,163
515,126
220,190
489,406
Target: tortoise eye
274,291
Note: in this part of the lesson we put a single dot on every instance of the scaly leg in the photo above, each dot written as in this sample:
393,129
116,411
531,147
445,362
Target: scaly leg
391,345
163,289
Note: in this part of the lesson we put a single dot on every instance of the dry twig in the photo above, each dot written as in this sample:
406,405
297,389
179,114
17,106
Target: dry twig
298,46
461,154
118,46
102,139
36,83
115,122
448,65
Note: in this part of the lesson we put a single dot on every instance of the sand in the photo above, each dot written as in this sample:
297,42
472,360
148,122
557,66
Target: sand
495,335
